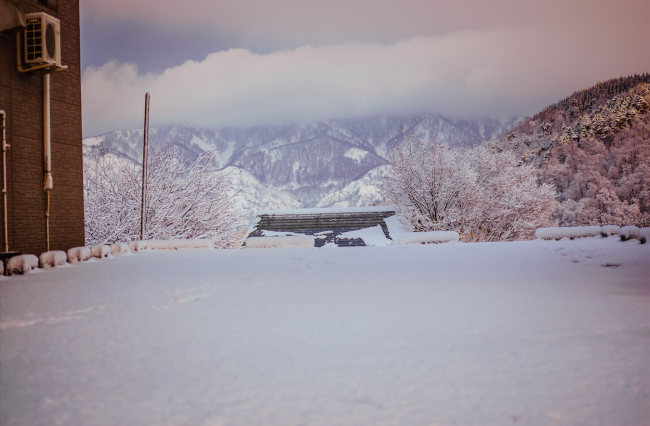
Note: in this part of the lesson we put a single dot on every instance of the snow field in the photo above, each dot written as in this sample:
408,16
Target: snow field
50,259
120,249
22,264
136,246
100,252
432,237
609,230
629,232
179,245
78,254
570,232
294,241
535,332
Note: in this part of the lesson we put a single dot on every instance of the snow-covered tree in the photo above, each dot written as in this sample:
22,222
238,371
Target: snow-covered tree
478,192
603,182
185,200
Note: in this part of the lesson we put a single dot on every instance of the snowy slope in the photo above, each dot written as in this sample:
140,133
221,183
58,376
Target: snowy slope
253,196
361,192
533,332
311,161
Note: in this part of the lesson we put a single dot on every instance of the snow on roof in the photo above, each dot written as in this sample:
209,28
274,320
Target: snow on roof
372,236
328,210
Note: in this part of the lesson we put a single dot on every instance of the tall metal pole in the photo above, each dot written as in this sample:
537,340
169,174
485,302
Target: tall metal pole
144,165
47,148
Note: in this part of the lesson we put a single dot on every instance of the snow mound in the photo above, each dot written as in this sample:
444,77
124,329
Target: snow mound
179,245
22,264
50,259
609,230
302,241
120,249
78,254
137,246
99,252
569,232
402,234
373,236
644,235
253,226
629,232
431,237
397,226
267,233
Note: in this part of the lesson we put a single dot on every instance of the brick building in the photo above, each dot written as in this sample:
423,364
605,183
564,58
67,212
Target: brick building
23,98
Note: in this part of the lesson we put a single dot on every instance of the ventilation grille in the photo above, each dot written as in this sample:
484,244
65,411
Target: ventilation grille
34,39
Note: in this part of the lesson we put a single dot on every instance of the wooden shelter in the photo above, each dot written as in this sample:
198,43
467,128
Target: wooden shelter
324,223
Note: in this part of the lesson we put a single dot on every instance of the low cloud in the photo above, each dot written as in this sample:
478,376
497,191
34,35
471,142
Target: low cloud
494,72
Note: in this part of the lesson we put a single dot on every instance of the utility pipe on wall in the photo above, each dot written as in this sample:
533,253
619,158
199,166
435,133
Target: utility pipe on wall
4,174
48,183
143,214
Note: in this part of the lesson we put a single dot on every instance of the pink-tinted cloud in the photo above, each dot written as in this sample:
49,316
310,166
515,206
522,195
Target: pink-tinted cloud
496,71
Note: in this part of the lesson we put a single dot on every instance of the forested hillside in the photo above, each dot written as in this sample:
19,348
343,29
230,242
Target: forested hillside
594,147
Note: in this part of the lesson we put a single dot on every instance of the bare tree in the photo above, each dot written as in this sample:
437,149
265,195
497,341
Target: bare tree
478,192
185,200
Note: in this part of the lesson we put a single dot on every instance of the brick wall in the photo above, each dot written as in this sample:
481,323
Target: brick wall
21,97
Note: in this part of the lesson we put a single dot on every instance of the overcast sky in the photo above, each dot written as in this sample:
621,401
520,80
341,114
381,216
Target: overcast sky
213,63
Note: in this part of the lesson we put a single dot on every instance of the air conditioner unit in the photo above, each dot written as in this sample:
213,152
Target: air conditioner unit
42,40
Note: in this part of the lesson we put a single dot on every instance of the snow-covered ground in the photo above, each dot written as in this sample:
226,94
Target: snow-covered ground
537,333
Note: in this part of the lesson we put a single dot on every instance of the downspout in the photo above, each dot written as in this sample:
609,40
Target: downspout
4,174
47,184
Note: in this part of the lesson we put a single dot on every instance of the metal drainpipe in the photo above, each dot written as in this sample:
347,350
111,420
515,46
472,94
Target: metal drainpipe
4,174
47,184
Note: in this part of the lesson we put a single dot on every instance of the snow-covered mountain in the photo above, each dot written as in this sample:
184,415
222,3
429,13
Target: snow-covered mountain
334,163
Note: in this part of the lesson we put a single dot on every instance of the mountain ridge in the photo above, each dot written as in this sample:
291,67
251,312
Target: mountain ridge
305,163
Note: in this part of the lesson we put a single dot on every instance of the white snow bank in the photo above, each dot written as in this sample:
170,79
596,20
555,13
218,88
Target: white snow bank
101,251
119,249
569,232
137,246
78,254
431,237
179,245
302,241
644,235
402,233
629,232
373,236
609,230
252,226
50,259
367,209
397,226
22,264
